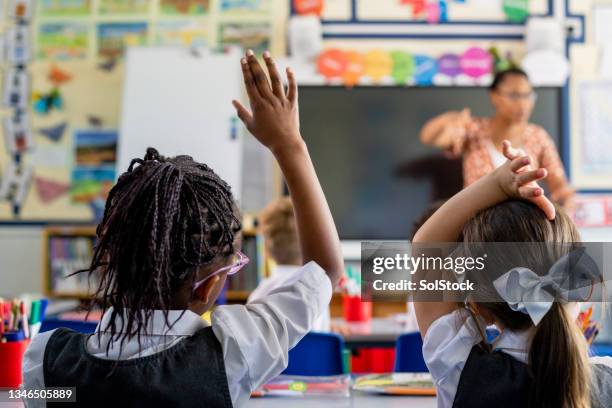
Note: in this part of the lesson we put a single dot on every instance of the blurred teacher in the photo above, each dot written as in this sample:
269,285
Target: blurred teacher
479,140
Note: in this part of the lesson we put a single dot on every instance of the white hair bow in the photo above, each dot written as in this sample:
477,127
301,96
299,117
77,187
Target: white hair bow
570,279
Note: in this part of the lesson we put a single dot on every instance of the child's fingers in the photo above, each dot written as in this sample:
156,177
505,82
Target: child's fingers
243,113
519,162
530,191
530,176
510,152
545,205
277,85
292,91
259,76
249,81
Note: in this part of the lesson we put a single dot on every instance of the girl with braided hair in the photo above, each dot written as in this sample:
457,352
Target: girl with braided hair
169,237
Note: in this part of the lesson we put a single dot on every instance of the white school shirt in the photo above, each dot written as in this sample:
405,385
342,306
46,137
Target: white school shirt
277,277
255,338
449,341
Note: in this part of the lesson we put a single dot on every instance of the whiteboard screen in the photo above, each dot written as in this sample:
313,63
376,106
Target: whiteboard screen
180,103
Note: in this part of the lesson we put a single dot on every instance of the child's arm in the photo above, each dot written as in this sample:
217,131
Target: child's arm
513,180
274,121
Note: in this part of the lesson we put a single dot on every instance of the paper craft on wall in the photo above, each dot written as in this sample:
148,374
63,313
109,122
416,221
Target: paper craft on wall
109,65
20,9
45,103
473,67
54,133
192,7
58,76
15,185
63,41
305,37
517,11
258,6
425,70
19,47
50,190
378,64
254,36
403,67
17,133
181,33
16,88
125,6
94,173
64,7
305,7
114,38
95,121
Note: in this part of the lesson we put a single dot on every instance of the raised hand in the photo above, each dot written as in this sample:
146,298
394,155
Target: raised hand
518,179
273,118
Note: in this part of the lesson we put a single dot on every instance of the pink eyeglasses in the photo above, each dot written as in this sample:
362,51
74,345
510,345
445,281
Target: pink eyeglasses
231,269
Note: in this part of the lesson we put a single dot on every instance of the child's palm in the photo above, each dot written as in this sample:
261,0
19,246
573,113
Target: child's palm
273,118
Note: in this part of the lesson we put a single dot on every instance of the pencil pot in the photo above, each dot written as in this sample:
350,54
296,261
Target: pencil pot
11,358
355,310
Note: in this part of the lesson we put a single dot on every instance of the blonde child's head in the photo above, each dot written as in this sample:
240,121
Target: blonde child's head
277,225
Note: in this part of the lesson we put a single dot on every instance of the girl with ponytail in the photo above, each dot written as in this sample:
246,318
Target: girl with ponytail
540,359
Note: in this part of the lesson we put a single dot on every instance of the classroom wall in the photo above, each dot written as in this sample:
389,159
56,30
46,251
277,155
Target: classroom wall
94,91
20,246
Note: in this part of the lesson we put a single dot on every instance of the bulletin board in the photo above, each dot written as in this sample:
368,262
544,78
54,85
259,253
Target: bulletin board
417,10
76,85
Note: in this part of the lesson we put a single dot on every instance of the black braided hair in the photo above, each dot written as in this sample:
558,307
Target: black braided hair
164,218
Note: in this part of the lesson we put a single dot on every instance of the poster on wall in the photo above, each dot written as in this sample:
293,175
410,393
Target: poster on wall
592,166
63,41
254,36
64,7
244,6
181,33
114,38
125,6
94,171
189,7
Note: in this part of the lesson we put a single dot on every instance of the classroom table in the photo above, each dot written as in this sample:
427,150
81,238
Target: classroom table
356,400
378,332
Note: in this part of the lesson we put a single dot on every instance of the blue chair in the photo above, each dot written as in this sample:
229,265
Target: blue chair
317,354
81,326
409,354
601,349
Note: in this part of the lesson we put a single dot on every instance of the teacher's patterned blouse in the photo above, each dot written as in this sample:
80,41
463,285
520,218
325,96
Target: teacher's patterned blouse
479,156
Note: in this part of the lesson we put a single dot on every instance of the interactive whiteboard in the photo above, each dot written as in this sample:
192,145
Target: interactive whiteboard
179,101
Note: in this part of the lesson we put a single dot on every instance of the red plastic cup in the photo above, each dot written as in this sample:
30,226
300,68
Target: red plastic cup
11,359
355,310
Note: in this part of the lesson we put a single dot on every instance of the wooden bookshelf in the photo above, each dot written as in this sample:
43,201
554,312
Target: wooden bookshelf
52,273
52,239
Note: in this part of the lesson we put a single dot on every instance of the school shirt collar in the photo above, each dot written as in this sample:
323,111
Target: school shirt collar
515,343
182,323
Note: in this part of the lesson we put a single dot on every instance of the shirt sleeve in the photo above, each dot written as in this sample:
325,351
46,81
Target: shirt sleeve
33,372
256,337
603,360
560,190
446,348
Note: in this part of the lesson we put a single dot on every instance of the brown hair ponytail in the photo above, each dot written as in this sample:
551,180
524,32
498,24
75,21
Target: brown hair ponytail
558,356
559,363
